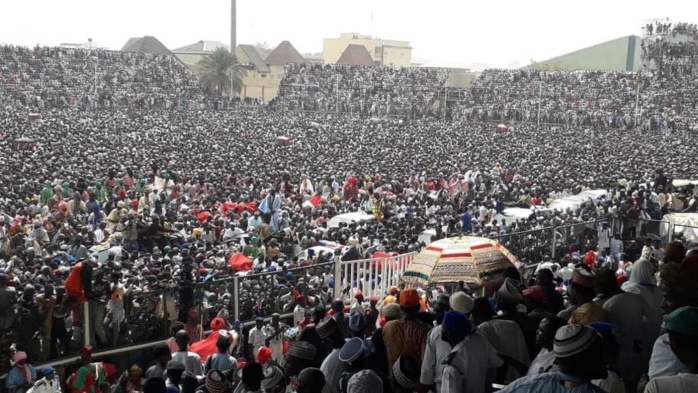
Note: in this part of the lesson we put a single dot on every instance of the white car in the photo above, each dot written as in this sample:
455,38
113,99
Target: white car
593,194
571,202
348,218
321,250
516,214
425,236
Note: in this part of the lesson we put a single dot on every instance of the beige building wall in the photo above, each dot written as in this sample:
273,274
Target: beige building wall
385,52
189,58
260,85
263,85
397,56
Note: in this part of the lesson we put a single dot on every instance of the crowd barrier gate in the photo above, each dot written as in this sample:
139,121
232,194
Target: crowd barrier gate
370,276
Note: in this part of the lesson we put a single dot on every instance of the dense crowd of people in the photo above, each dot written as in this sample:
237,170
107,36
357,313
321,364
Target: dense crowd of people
603,100
625,330
44,78
364,90
129,221
659,98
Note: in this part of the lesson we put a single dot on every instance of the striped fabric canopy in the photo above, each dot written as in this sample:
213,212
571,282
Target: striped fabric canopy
474,260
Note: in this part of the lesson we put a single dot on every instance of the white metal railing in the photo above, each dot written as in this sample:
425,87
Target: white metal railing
370,276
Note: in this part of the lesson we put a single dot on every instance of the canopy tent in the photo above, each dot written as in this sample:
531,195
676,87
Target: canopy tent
283,141
475,260
23,144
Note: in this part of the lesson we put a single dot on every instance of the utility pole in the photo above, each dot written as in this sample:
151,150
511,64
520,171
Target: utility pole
233,26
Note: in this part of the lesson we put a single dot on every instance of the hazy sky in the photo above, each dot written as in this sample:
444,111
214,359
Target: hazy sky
452,32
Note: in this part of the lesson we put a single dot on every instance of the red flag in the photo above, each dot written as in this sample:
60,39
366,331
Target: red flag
203,216
228,206
73,284
207,347
316,200
240,262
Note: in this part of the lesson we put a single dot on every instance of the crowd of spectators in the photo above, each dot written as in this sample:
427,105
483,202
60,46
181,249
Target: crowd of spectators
669,65
44,78
624,328
168,197
365,90
603,100
586,99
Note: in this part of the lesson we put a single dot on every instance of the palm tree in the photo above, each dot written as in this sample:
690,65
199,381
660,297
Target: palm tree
220,71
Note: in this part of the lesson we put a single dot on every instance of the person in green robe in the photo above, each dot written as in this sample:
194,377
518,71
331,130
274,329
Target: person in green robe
119,187
90,376
140,186
46,193
66,189
252,250
100,194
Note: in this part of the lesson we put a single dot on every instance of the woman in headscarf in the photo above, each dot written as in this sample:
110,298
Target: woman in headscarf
643,283
21,376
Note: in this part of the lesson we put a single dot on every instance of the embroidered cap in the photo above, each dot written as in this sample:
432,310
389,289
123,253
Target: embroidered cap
571,340
352,350
406,372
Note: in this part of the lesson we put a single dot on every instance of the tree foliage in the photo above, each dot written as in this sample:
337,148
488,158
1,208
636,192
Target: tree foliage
221,72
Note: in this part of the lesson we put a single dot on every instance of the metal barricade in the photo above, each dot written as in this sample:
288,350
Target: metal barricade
529,246
212,298
370,276
144,314
584,235
257,293
639,228
687,234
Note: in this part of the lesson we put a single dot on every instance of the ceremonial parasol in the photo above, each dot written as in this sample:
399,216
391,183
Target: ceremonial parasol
477,261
